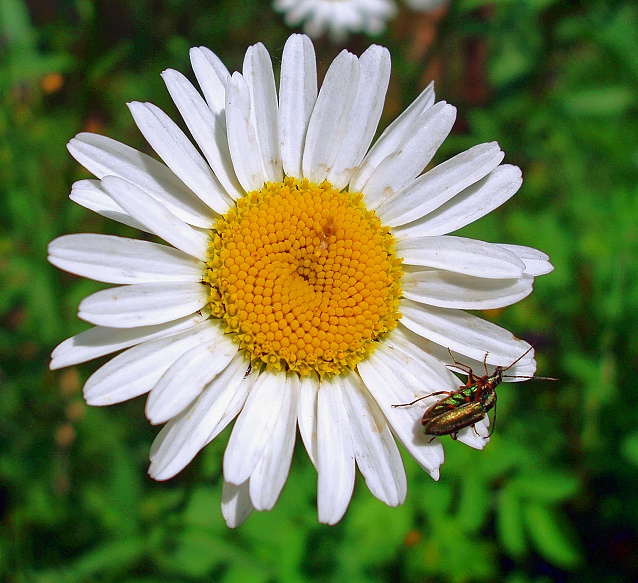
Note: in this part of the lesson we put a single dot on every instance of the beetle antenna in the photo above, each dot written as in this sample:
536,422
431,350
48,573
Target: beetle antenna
517,376
519,358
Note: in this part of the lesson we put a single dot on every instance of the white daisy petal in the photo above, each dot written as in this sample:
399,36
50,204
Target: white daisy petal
394,377
155,217
242,138
91,195
254,427
208,130
461,255
187,377
387,385
264,109
103,156
421,352
420,347
536,262
412,155
477,435
100,341
376,452
468,206
271,472
179,154
297,98
436,187
143,304
462,332
329,119
307,414
390,139
452,290
119,260
135,371
374,76
212,76
236,504
335,453
185,435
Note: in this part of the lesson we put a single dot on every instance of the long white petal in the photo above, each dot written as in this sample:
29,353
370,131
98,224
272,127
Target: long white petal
376,452
212,76
179,154
307,414
100,341
374,75
135,371
185,380
91,195
391,138
462,332
394,378
242,138
461,255
420,347
236,504
453,290
271,472
476,436
437,186
328,122
120,260
335,454
103,156
254,427
143,304
536,262
208,130
411,156
297,98
260,78
156,217
468,206
181,439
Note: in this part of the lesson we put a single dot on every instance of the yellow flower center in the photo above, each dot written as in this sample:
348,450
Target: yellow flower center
304,276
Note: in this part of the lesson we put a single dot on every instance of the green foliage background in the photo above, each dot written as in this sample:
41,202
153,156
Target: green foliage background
552,498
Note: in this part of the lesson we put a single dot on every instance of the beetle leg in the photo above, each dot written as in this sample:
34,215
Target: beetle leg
493,422
448,393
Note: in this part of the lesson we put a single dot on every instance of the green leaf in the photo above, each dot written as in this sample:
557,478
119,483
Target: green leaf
111,557
550,486
509,523
630,448
600,101
549,537
197,553
474,503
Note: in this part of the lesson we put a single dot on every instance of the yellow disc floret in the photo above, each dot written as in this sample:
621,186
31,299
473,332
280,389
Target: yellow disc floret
304,276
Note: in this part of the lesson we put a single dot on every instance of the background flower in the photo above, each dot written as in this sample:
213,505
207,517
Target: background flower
338,18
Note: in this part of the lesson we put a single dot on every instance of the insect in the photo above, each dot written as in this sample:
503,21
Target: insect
469,404
328,230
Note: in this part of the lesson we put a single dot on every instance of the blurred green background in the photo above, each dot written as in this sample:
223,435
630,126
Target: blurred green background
552,497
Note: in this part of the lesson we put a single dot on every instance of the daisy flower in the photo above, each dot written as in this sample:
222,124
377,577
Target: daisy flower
309,279
338,18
